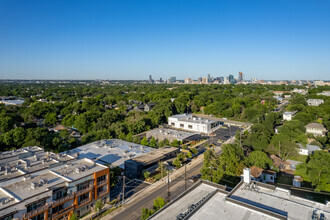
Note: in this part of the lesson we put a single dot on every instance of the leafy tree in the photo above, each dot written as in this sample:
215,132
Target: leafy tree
259,159
146,213
74,216
159,203
146,174
153,142
194,151
98,205
316,170
144,141
51,118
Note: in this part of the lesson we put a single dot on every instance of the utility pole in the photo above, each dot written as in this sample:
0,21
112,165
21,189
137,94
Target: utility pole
123,190
168,187
185,177
161,168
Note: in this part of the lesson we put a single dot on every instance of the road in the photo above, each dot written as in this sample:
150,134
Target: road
133,211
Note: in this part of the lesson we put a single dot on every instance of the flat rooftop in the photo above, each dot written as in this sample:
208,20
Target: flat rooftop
171,133
31,164
193,119
40,183
114,151
8,156
206,200
155,155
280,201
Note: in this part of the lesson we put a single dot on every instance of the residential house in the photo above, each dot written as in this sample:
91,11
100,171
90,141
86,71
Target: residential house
316,129
289,166
289,115
149,106
309,149
139,108
262,175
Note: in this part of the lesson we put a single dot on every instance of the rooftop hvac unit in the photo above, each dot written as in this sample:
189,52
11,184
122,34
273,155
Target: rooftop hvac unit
34,185
130,147
77,170
43,182
5,201
7,170
84,167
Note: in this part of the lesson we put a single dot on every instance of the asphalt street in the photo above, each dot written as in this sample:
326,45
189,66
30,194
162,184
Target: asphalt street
176,188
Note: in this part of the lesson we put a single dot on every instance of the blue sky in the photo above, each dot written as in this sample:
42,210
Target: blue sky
96,39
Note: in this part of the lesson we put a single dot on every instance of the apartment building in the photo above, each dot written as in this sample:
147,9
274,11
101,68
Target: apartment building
54,192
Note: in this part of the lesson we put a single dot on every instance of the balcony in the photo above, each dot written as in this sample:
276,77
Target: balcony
84,201
62,212
83,191
36,211
62,200
102,193
102,182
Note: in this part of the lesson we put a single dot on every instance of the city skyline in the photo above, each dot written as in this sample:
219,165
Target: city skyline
130,40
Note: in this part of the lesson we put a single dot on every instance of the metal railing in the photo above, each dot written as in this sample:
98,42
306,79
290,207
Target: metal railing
102,182
62,212
84,201
36,211
61,200
83,191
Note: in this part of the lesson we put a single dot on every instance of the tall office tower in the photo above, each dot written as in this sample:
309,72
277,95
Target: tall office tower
150,79
199,79
205,80
160,79
208,77
240,77
188,81
172,79
231,79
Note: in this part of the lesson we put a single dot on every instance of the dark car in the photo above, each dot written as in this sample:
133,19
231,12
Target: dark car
195,178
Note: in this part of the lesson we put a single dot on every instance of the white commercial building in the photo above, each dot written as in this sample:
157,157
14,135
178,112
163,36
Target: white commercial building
193,123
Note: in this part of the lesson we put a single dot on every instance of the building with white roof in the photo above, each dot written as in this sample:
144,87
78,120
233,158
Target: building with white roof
114,151
289,115
249,200
309,149
193,123
315,102
171,135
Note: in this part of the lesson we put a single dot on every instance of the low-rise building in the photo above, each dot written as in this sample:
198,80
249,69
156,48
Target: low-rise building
309,149
193,123
325,93
113,152
149,161
315,102
170,134
297,181
149,106
249,200
13,155
316,129
262,175
55,193
300,91
289,115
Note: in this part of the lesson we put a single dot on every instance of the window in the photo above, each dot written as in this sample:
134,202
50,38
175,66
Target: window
181,125
190,126
101,178
172,124
271,177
